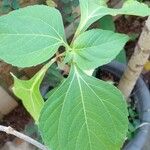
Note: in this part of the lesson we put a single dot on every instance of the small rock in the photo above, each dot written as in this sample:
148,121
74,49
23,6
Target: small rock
15,145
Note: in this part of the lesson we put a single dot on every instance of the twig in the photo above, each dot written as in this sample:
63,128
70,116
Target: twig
10,130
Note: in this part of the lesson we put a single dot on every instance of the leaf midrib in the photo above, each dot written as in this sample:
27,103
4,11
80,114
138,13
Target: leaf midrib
64,103
35,18
94,46
34,52
84,110
31,34
89,16
101,102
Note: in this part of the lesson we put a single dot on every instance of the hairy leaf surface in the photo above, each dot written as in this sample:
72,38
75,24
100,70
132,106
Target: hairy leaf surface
84,113
96,47
28,91
31,35
92,10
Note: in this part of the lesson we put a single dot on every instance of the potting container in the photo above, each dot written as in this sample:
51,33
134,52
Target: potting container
141,95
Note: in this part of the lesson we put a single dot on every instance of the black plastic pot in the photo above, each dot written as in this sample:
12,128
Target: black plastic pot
141,94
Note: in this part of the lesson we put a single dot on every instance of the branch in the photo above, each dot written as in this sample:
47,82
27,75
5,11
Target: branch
137,61
10,130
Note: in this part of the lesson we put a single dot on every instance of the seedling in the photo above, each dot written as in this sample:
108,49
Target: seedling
82,113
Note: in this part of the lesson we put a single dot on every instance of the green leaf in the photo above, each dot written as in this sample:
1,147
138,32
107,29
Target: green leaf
15,4
75,3
67,10
121,57
92,10
96,47
31,35
65,1
29,93
84,113
53,76
107,23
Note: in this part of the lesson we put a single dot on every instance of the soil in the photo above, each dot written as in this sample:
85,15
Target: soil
132,26
106,76
17,119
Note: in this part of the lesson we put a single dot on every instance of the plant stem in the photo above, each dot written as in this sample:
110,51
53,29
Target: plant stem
10,130
137,61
